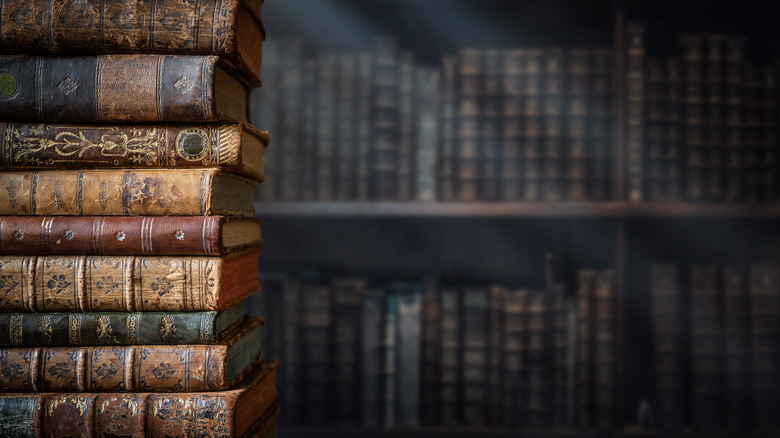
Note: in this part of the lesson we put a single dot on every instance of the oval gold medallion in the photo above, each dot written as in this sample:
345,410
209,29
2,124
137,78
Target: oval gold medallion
192,144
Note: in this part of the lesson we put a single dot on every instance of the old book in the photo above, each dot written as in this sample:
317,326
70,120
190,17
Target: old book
490,125
693,118
474,356
605,358
225,413
431,357
409,352
327,124
389,368
120,88
764,336
316,353
346,132
674,164
406,110
157,368
450,349
288,137
600,121
265,426
656,130
495,357
137,192
585,372
143,235
513,360
347,306
426,130
231,29
537,407
371,327
532,122
446,146
469,110
734,157
553,121
233,147
635,92
291,396
57,329
125,283
364,136
577,150
668,353
559,316
385,120
263,113
511,127
736,342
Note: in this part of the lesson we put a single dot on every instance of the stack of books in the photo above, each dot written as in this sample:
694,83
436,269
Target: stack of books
127,237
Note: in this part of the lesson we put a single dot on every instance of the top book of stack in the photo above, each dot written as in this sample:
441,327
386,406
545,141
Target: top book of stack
230,29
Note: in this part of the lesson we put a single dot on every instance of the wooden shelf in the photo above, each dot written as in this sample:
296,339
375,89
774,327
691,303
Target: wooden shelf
512,209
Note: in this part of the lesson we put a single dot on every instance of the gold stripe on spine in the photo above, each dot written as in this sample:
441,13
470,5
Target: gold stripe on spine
160,69
130,370
204,234
135,284
214,139
74,324
98,85
229,144
79,286
205,183
34,371
15,327
46,224
28,274
128,291
146,235
81,369
38,87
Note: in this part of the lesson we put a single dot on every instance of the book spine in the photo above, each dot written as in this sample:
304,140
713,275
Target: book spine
577,150
431,357
655,154
348,297
389,369
406,110
474,360
559,316
309,132
126,283
734,156
264,113
552,111
426,133
693,118
290,398
470,78
372,326
289,135
538,386
668,346
765,355
134,192
364,133
714,117
674,165
495,375
450,358
97,88
600,118
532,122
445,154
409,343
736,334
385,121
327,90
346,139
586,287
490,126
511,127
606,351
200,235
513,350
635,118
316,353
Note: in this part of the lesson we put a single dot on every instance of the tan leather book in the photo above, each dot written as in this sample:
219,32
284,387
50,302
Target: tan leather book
156,368
125,283
127,235
119,88
229,28
205,414
137,192
233,147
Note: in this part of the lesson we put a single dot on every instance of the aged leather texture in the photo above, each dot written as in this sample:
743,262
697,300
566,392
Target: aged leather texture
97,235
157,368
108,88
63,146
137,192
209,27
205,415
125,283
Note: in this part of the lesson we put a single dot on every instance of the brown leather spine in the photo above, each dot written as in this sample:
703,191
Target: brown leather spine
143,235
63,146
204,414
209,27
158,368
124,283
109,192
108,88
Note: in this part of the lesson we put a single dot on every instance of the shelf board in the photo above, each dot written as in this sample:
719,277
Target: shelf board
514,209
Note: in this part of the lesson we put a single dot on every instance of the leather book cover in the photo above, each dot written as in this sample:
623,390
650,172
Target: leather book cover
601,116
327,124
693,117
234,147
577,138
118,88
586,288
553,121
371,329
445,152
389,370
513,356
490,125
495,358
316,337
289,137
427,84
125,283
469,114
155,368
538,377
347,301
205,414
385,120
263,104
474,356
143,235
450,357
409,353
605,358
765,354
511,127
733,119
346,128
431,357
136,192
364,138
635,118
533,129
407,114
231,29
736,334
